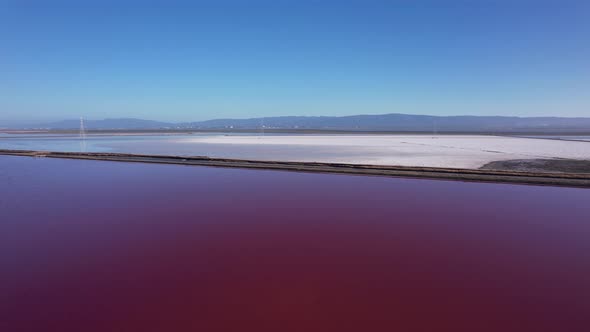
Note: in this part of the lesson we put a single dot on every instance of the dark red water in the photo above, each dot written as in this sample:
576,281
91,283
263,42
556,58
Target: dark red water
100,246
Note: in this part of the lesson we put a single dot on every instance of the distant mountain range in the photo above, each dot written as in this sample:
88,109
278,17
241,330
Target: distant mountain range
385,122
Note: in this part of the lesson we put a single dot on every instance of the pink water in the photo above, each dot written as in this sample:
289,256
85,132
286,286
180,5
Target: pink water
103,246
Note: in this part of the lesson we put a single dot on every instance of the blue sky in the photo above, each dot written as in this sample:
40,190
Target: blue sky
184,61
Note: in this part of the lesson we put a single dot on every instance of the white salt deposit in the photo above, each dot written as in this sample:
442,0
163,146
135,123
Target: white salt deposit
408,150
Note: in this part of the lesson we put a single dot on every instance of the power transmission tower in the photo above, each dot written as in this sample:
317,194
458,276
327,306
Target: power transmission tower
82,135
82,129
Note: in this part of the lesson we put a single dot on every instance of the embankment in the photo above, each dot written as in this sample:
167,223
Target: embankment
479,175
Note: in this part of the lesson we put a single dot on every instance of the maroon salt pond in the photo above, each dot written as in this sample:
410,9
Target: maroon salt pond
103,246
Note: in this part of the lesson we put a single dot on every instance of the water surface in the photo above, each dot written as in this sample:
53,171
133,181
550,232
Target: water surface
179,145
104,246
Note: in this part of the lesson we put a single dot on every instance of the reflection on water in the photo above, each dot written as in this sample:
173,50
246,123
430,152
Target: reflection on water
83,147
101,246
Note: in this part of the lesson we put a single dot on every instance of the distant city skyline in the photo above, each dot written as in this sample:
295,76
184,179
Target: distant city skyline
177,61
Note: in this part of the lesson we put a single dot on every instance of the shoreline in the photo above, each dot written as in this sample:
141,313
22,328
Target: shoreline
457,174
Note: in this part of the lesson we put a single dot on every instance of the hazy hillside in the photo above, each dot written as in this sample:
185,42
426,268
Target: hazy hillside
386,122
404,122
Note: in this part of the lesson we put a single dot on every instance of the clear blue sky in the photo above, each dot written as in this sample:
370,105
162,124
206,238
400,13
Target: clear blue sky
184,61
